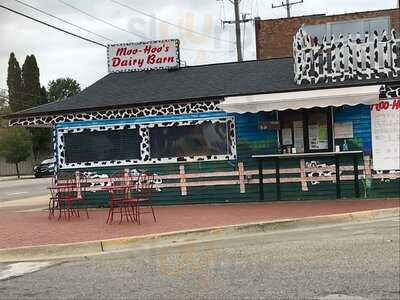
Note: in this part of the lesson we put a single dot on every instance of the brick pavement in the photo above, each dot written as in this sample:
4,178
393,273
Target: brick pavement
28,228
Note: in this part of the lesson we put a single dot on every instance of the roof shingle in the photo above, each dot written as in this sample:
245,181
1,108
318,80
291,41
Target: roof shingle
184,84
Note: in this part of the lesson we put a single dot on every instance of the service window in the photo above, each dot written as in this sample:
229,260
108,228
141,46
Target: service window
318,134
307,130
205,139
108,145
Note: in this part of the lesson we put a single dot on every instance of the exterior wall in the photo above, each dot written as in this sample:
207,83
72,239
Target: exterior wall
339,58
274,38
236,180
360,116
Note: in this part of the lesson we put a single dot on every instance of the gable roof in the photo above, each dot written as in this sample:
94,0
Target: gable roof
185,84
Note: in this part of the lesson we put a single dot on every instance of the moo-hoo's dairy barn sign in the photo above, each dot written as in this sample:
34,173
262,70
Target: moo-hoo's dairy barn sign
143,56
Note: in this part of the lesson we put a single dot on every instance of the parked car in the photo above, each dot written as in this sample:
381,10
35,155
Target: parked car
45,168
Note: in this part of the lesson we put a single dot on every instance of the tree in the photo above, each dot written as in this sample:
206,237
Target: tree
41,137
62,88
34,95
14,83
15,145
4,108
3,101
31,82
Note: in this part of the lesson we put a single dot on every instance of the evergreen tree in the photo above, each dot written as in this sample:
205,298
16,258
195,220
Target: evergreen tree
14,83
34,95
31,82
43,95
41,137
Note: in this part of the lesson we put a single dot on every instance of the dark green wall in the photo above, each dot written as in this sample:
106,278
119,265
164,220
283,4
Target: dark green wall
250,141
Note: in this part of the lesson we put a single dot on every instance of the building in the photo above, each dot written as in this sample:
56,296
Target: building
274,38
198,128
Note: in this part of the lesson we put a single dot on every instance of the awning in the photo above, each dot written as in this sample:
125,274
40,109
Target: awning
304,99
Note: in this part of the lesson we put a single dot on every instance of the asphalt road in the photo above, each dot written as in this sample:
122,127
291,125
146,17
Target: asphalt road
23,188
360,260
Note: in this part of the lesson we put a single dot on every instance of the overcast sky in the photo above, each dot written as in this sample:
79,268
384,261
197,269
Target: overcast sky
60,55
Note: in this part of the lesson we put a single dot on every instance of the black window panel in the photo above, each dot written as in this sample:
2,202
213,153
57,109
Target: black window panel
89,146
310,130
204,139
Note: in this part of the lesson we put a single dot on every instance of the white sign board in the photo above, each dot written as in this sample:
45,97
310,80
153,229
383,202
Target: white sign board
385,123
286,136
343,130
143,56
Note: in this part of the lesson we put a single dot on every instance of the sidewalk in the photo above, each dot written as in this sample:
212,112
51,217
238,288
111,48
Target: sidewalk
28,228
15,177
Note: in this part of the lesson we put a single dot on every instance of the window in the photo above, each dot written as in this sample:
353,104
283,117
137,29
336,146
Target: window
203,139
116,144
109,145
349,27
317,127
307,130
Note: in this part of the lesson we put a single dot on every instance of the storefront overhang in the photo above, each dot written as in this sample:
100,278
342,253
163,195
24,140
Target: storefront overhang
304,99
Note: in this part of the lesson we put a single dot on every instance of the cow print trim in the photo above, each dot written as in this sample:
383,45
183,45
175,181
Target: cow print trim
146,111
145,157
389,92
352,57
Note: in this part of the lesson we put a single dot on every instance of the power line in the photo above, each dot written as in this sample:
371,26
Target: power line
122,29
237,23
52,26
170,23
81,37
62,20
103,21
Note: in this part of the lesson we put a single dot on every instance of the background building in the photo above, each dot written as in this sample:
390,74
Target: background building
274,38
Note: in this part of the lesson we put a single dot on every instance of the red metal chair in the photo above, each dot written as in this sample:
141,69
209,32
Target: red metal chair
143,195
81,189
67,195
118,197
129,202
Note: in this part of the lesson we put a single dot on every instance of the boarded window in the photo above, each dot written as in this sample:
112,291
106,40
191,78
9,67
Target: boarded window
203,139
90,146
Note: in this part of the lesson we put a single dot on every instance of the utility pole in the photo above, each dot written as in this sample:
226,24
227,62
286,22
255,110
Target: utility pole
237,25
237,22
288,5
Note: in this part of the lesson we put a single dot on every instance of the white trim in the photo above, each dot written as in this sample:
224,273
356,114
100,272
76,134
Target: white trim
304,99
145,144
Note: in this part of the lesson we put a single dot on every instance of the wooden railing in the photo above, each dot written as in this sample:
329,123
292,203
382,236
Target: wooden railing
306,174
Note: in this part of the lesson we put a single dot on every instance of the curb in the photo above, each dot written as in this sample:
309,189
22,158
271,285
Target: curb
29,202
15,177
56,251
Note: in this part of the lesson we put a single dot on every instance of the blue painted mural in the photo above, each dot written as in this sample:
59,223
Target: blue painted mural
360,116
252,140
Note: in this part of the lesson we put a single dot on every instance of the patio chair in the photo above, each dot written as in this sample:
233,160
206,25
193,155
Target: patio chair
129,202
119,196
143,195
81,192
67,195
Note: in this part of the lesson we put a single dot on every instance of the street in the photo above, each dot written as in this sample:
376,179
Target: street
360,260
23,188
